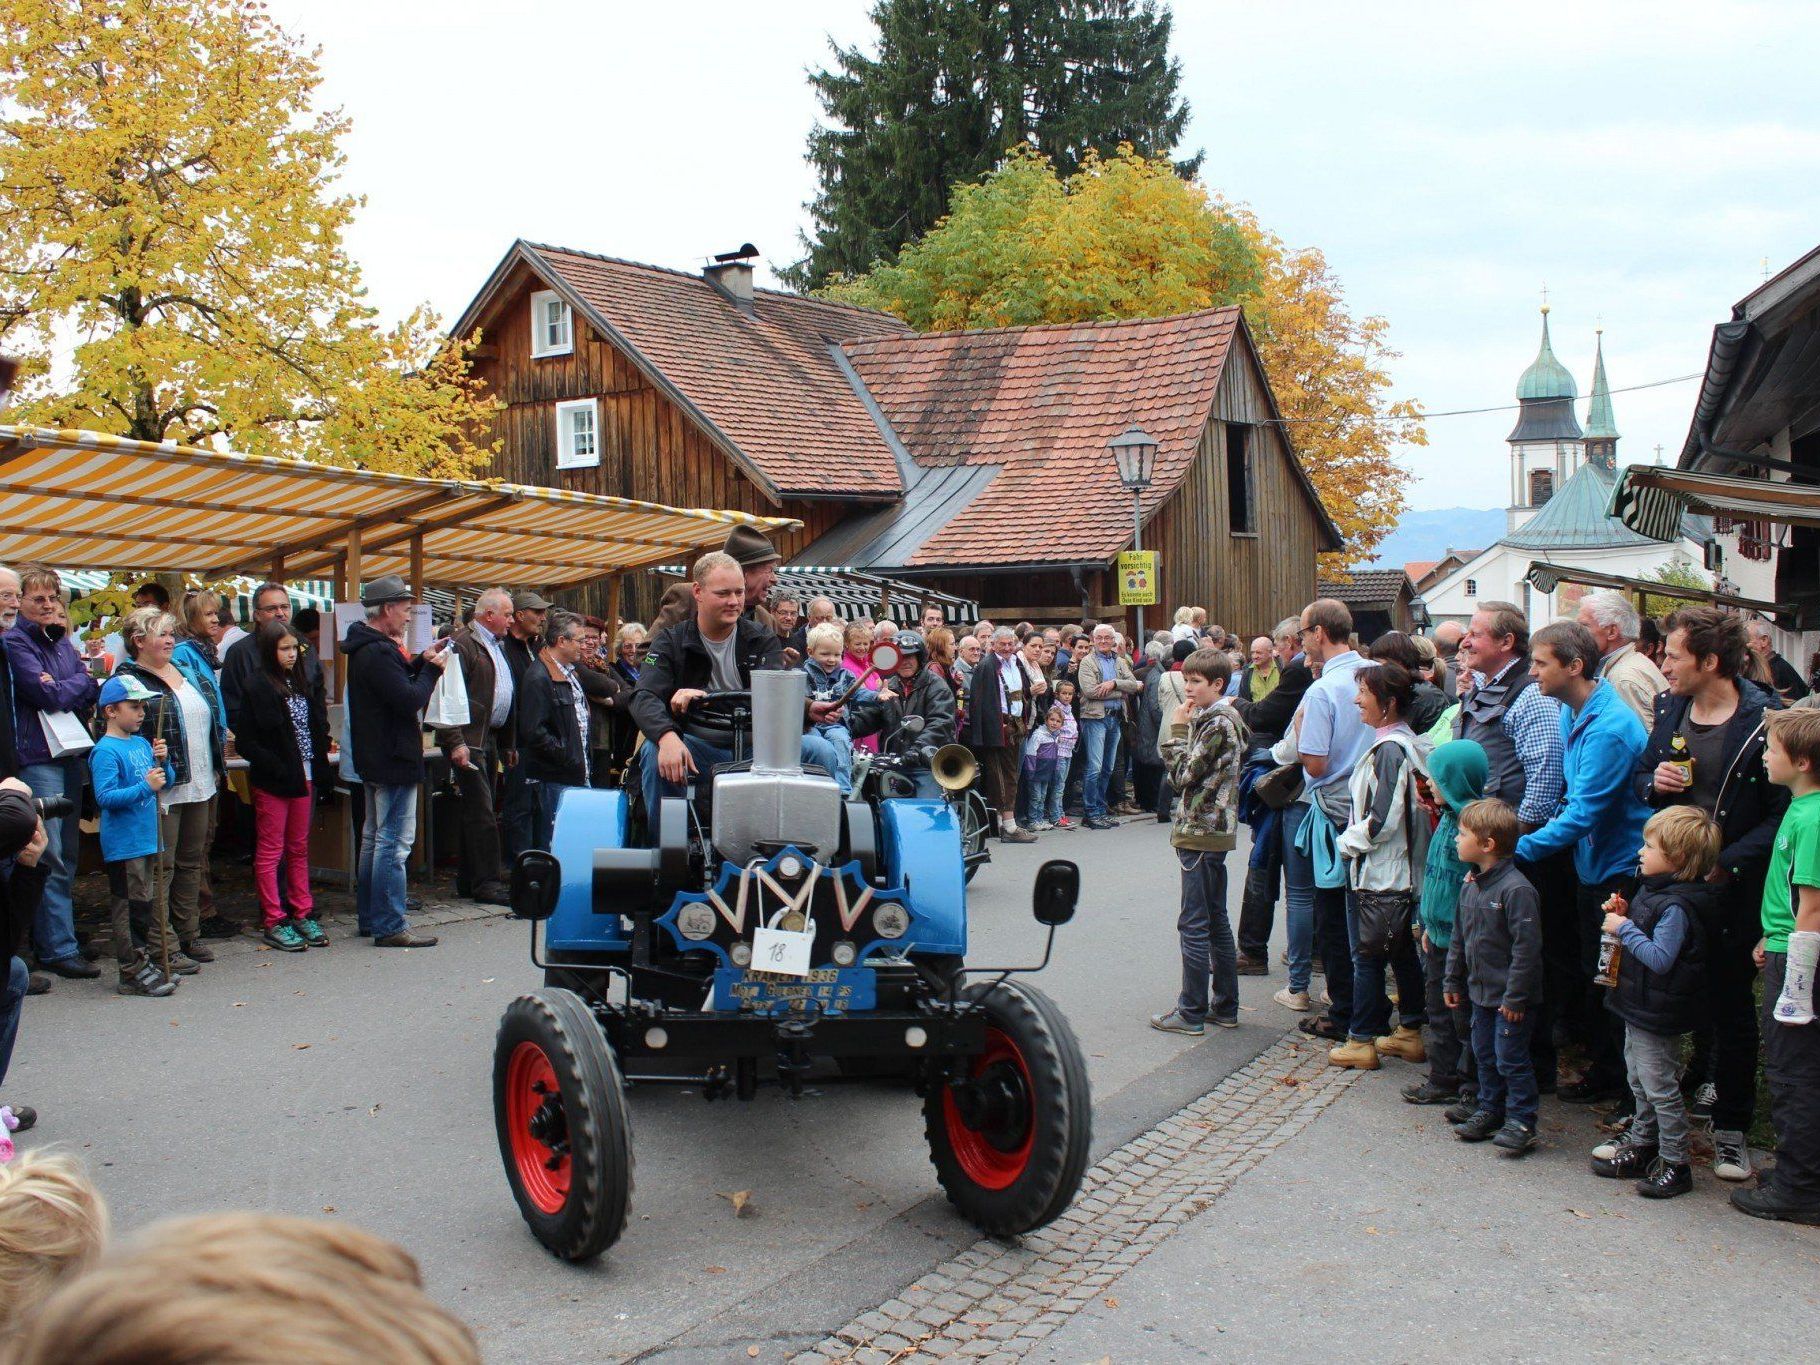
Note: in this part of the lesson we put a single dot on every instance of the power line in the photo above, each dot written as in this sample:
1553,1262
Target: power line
1467,412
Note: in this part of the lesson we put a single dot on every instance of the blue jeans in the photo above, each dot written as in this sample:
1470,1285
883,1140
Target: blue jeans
12,1001
815,750
1298,885
517,813
1210,958
839,760
54,926
1370,1005
1507,1076
548,796
1037,792
385,847
1100,740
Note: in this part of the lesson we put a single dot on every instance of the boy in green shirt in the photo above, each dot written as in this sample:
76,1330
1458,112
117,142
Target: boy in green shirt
1791,933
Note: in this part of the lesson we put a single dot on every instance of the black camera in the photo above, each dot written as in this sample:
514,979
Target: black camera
53,807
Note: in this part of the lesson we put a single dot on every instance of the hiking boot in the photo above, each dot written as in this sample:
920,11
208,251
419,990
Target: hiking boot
1406,1043
182,964
1253,966
285,938
1174,1022
310,932
1482,1126
38,983
1356,1053
490,893
199,951
1514,1138
1623,1160
1465,1109
76,968
145,979
1128,808
1292,1000
1427,1092
218,926
1666,1179
1098,822
1588,1091
406,939
1762,1202
1731,1155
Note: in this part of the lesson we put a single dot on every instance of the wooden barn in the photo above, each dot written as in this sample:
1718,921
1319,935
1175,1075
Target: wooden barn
974,462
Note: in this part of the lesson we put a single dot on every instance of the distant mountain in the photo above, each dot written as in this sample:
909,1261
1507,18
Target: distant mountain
1430,533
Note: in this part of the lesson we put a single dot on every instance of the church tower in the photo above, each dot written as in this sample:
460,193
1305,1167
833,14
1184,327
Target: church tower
1546,448
1601,427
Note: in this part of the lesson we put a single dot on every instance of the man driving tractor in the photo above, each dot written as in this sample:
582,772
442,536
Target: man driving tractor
715,649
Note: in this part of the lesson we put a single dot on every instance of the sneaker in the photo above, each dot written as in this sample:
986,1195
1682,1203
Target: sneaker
1066,823
198,951
1427,1092
1098,822
1406,1043
145,979
1731,1156
1465,1109
1292,1000
1764,1202
1128,808
182,964
1515,1138
1706,1095
1623,1160
76,968
406,939
1666,1179
285,938
1323,1026
1482,1126
24,1117
1356,1053
1173,1022
1040,827
1223,1022
1013,835
1253,966
39,983
310,932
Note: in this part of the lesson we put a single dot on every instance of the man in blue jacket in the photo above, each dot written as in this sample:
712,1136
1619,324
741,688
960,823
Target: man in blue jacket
1601,816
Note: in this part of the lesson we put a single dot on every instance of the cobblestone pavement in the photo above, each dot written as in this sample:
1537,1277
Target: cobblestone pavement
997,1300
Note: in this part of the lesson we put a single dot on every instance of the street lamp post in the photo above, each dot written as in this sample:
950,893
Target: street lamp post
1134,450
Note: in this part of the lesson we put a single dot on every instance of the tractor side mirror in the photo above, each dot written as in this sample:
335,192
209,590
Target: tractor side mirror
886,657
536,882
1058,887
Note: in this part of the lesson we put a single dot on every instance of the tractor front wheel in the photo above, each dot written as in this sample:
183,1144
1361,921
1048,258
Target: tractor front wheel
565,1134
1009,1136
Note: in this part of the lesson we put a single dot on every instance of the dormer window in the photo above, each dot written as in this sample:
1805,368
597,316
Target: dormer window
552,329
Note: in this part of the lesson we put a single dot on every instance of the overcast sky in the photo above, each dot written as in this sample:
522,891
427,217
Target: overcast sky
1642,159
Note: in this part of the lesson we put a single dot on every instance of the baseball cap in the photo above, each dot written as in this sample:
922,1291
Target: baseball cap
124,687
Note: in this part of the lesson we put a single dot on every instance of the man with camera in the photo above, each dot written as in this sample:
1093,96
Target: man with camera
22,844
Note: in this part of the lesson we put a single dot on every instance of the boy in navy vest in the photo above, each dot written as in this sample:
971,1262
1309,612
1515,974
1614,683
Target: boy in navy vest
1661,994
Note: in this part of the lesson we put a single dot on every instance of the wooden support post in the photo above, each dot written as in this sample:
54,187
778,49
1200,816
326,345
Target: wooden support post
614,586
277,574
417,566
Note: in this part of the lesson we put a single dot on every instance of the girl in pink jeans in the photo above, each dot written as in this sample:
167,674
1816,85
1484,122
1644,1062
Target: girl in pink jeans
281,728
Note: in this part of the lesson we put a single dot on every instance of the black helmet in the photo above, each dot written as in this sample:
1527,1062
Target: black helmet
911,645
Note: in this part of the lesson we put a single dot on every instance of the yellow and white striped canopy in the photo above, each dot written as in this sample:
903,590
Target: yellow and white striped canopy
89,500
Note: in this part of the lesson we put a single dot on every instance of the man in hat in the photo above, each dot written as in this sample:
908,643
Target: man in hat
475,749
758,560
387,689
521,644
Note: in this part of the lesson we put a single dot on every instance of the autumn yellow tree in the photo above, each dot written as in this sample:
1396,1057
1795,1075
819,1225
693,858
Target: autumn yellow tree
171,246
1127,237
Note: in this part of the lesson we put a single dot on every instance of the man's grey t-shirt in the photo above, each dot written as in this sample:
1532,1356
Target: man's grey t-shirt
725,662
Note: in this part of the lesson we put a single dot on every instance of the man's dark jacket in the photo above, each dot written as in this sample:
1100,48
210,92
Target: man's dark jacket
386,692
1269,719
1750,806
521,654
985,723
678,659
477,672
31,652
549,734
929,697
241,662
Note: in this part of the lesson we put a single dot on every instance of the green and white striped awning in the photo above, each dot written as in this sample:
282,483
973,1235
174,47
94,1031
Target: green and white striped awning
1545,578
1652,500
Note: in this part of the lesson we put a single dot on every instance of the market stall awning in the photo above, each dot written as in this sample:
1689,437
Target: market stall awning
89,500
1652,500
1545,577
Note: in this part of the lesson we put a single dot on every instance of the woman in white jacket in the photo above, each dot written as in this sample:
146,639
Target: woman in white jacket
1385,848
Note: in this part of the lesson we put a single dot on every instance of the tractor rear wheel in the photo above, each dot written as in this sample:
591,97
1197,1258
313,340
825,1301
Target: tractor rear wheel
1009,1137
565,1134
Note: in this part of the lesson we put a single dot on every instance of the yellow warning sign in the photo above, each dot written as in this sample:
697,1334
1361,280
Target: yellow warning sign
1137,578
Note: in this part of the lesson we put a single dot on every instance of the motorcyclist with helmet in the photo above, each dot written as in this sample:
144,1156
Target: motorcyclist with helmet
915,690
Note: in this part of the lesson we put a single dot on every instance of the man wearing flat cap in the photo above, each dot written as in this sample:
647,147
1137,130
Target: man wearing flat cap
387,689
518,802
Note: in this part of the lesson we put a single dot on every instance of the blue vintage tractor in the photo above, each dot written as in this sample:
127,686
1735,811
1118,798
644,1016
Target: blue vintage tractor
774,933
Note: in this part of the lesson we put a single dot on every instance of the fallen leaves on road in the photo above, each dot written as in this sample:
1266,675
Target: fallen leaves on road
240,1004
328,1208
752,1351
716,1269
299,1047
1580,1213
374,1110
741,1200
1292,1080
1112,1303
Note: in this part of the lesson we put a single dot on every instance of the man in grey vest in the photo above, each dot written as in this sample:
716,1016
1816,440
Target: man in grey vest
1520,730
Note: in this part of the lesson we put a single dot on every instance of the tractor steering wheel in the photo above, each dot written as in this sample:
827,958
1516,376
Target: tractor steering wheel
722,710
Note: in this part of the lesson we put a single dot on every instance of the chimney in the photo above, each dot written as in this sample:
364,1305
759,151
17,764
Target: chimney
731,273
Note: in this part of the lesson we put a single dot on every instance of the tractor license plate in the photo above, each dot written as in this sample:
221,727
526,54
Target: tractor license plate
833,988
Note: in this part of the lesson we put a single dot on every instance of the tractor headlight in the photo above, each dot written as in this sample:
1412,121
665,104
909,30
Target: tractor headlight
891,920
741,954
790,867
695,921
844,953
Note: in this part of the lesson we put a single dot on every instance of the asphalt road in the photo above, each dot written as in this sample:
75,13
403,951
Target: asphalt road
356,1083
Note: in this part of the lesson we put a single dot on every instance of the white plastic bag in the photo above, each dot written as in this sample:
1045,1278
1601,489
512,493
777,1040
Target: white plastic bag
448,706
65,734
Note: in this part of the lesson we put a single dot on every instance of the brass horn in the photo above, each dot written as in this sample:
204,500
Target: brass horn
954,767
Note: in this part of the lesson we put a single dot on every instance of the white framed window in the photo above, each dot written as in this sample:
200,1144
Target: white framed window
578,434
1472,587
552,328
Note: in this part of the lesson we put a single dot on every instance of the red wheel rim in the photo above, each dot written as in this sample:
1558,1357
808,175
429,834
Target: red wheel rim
994,1154
532,1095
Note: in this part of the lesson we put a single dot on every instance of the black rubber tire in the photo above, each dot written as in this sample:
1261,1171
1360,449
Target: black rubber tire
599,1124
1061,1118
975,820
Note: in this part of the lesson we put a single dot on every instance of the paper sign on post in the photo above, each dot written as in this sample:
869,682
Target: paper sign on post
781,951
